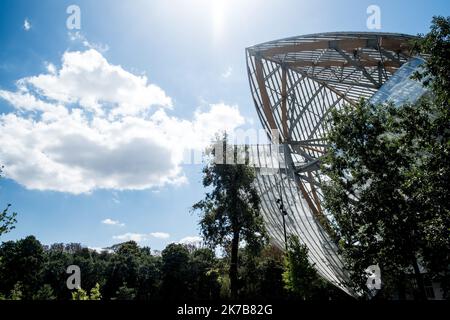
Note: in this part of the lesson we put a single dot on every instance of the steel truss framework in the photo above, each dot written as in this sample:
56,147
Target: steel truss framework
295,82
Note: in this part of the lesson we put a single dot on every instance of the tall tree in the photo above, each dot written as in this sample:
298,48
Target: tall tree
122,268
23,262
230,212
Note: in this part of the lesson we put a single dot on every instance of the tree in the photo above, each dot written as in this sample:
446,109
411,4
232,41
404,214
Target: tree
434,171
45,293
261,275
300,277
7,220
57,259
81,294
203,274
95,293
22,261
125,293
123,268
149,276
16,292
175,272
230,212
388,177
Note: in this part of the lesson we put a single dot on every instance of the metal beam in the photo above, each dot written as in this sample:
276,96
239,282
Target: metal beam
357,65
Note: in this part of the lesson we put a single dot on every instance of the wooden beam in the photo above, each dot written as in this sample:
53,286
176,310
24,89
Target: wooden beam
283,104
387,43
339,63
259,73
395,44
314,193
315,45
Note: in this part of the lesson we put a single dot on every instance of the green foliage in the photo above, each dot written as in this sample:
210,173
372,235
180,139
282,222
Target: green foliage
149,276
232,205
125,293
389,177
94,294
225,291
261,275
80,294
123,267
175,270
16,292
7,220
230,212
21,261
181,272
45,293
203,275
300,278
436,45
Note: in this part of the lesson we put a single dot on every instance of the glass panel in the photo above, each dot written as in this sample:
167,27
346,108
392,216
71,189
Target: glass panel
400,88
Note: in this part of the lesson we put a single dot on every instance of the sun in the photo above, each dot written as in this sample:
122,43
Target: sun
218,11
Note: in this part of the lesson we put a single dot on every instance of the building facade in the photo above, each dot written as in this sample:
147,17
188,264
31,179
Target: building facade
295,82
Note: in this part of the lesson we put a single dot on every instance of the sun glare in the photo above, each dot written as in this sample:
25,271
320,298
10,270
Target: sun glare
218,8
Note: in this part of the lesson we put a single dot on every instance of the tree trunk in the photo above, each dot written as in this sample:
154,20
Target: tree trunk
419,280
234,265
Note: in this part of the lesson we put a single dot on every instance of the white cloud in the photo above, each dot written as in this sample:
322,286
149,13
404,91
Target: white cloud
160,235
129,236
72,154
140,237
51,68
100,250
194,240
113,222
88,79
220,117
26,25
77,36
91,125
227,73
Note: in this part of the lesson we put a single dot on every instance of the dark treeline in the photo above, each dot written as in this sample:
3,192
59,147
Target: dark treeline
30,270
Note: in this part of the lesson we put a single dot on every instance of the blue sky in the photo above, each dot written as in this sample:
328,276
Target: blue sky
191,54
